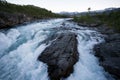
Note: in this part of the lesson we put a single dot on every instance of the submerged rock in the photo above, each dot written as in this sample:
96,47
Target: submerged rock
60,56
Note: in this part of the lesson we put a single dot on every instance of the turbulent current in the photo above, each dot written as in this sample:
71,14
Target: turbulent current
21,46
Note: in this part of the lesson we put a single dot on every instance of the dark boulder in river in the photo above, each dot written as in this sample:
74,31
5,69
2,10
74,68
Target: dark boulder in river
61,55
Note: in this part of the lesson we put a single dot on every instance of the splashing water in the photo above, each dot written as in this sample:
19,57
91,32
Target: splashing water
21,46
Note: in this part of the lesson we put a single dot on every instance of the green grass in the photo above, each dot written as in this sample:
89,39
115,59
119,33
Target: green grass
112,19
87,19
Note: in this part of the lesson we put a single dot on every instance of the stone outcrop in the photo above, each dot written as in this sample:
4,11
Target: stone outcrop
109,52
60,56
8,20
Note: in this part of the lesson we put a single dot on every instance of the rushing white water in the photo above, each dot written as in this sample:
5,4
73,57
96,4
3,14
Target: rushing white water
21,46
87,67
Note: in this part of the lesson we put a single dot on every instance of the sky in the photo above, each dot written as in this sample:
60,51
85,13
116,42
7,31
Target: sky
69,5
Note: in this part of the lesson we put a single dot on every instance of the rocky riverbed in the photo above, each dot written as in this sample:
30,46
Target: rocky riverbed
109,51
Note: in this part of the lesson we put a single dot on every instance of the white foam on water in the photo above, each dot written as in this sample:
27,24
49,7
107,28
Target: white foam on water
6,40
87,68
21,62
24,59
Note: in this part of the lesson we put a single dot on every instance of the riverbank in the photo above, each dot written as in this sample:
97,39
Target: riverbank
108,51
8,20
13,14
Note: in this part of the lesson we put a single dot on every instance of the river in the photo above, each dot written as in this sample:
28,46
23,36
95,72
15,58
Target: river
21,46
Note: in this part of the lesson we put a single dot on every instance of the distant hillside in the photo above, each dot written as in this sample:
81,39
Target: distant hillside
12,14
30,10
70,14
107,10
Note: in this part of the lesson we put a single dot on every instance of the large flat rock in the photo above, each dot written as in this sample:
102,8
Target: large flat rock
61,55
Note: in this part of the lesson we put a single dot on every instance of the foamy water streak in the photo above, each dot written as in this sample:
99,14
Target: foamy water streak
20,48
87,68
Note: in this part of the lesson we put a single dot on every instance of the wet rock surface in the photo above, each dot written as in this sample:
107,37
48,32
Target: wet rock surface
61,55
109,52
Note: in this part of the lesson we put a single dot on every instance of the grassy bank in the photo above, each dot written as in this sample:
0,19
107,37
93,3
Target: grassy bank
29,10
13,14
111,19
